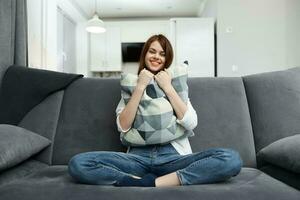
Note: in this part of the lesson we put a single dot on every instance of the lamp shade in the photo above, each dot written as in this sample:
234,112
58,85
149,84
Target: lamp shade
95,25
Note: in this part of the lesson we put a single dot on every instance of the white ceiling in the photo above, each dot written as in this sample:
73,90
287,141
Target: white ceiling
139,8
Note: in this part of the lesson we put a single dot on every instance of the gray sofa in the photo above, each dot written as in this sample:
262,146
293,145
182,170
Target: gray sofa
248,114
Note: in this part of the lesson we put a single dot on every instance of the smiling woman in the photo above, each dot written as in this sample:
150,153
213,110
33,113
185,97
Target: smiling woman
155,117
156,54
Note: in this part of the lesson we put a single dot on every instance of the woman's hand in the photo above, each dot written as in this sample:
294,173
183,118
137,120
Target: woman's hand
144,78
163,79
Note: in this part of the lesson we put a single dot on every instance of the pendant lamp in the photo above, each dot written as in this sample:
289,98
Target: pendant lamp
95,25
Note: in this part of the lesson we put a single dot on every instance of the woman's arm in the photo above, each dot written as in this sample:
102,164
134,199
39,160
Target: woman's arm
127,116
186,115
190,118
163,79
178,105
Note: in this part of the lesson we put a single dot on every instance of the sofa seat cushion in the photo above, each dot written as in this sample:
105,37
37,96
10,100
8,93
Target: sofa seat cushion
286,176
20,171
54,182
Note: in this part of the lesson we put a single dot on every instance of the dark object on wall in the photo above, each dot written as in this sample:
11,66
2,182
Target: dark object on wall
131,51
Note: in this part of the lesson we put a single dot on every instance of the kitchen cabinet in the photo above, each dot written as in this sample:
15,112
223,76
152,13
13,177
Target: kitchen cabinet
105,51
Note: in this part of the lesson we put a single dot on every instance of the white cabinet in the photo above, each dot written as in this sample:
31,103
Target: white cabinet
105,51
193,40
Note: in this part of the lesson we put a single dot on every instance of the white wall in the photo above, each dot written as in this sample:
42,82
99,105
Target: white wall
255,36
210,9
42,34
140,30
293,32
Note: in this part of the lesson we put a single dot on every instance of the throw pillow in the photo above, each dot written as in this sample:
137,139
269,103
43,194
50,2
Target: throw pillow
283,153
18,144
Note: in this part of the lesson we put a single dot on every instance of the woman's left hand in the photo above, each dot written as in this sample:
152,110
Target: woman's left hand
163,79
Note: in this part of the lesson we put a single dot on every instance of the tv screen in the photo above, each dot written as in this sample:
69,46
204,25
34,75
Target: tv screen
131,51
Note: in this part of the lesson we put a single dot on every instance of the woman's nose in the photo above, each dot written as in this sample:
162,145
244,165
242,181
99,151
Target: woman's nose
156,55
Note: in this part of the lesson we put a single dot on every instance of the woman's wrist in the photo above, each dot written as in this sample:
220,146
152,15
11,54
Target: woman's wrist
169,90
140,88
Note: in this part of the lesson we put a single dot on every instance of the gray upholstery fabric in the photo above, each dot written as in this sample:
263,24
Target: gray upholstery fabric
223,116
13,35
55,183
87,119
20,171
86,122
274,103
18,144
283,153
43,119
283,175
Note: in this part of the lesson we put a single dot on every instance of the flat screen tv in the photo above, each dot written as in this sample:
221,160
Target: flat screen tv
131,51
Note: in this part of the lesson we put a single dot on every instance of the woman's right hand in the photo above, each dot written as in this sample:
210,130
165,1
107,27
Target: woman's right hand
144,78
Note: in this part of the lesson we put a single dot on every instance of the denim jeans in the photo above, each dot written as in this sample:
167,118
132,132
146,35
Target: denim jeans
108,167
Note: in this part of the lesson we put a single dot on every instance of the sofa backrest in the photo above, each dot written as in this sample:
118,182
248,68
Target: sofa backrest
82,118
223,116
88,123
43,119
274,103
87,119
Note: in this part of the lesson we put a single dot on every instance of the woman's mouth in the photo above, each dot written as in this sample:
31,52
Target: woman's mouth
155,62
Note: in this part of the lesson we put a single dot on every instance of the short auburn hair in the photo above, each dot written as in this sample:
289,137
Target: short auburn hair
165,44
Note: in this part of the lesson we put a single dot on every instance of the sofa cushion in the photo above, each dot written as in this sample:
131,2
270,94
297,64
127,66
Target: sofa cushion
18,144
223,116
288,177
55,183
283,153
43,119
87,119
21,170
274,103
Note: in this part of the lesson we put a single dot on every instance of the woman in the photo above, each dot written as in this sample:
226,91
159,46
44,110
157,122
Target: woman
156,165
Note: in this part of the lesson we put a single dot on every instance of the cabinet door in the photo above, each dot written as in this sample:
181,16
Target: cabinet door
194,42
113,49
97,52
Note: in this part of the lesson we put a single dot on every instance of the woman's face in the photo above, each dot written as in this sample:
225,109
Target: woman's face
155,57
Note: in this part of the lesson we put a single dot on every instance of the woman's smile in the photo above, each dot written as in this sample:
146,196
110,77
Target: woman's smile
155,57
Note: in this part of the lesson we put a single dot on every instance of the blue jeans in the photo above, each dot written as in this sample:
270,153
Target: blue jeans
107,167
